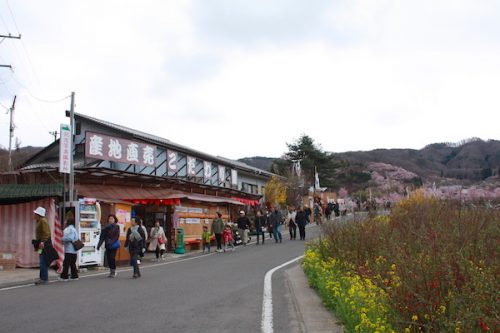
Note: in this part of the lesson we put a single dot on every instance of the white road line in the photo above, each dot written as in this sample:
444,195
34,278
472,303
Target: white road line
267,301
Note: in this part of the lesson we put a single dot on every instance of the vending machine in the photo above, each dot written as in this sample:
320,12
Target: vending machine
88,226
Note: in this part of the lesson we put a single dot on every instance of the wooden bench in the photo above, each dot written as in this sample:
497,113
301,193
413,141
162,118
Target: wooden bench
191,244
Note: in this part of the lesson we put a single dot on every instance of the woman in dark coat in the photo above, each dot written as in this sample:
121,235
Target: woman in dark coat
109,236
135,244
301,221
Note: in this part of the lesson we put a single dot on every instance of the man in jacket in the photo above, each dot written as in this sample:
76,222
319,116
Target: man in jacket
42,243
260,222
217,230
243,224
276,220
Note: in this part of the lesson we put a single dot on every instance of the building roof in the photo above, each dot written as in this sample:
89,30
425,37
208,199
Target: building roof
26,191
173,145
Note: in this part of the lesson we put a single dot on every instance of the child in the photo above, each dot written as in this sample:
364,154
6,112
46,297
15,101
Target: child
227,235
205,238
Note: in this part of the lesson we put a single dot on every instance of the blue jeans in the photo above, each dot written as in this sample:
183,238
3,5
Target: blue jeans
277,232
44,268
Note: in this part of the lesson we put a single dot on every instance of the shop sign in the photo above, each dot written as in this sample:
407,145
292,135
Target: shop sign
114,149
172,161
191,166
222,174
207,170
65,149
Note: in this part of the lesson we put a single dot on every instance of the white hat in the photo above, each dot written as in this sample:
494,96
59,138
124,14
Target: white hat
242,212
40,211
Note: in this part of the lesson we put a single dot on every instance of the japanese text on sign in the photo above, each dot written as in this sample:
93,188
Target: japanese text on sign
119,150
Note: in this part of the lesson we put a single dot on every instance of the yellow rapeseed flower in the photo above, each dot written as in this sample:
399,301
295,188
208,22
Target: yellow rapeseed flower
414,317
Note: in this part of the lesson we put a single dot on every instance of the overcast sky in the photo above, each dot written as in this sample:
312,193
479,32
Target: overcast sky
242,78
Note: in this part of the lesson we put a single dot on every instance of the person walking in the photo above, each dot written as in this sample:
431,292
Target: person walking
110,237
228,237
205,239
292,227
260,222
269,224
135,244
243,224
276,220
157,240
301,221
69,236
217,229
43,245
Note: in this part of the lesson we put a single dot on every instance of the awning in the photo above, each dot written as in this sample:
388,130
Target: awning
146,195
24,191
250,202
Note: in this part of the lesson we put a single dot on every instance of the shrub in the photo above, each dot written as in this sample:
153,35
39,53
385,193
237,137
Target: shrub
435,260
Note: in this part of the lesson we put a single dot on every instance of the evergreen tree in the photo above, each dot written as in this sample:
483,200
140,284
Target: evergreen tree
310,156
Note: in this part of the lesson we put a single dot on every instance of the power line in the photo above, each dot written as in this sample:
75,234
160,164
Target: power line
13,19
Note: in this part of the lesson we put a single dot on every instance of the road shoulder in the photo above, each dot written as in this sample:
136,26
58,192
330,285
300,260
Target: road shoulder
310,311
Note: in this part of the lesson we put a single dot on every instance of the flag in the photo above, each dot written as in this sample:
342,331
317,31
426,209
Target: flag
316,179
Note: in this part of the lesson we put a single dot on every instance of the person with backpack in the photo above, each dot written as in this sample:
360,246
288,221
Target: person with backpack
260,222
110,237
276,221
135,244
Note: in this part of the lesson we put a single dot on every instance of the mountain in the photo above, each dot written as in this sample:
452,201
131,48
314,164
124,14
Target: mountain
263,163
467,162
18,155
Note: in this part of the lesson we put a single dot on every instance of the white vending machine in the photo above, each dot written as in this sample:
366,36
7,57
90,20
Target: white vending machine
88,225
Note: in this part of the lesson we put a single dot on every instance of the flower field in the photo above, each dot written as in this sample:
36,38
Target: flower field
430,266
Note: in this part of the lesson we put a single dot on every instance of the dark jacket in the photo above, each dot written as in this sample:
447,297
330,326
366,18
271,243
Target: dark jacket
275,218
259,223
301,218
243,222
135,247
109,235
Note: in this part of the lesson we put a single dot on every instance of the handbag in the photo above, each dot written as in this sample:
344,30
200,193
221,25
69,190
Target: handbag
78,244
161,240
115,245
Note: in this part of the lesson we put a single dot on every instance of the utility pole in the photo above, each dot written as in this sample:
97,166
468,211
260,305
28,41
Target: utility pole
54,134
9,36
73,132
11,131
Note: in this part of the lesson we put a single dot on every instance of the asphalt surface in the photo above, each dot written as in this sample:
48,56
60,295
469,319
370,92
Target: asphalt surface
220,292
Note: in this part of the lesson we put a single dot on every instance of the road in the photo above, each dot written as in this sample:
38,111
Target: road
220,292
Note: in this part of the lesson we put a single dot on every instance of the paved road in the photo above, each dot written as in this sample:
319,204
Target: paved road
212,293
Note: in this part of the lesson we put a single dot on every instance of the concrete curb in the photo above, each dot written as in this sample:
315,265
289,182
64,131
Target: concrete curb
310,311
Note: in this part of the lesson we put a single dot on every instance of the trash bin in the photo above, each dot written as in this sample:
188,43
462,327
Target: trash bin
179,241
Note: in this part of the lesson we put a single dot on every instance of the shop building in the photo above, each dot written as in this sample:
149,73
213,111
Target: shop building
132,173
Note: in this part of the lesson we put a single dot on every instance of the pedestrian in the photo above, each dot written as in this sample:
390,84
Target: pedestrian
260,222
317,213
140,223
308,212
228,237
205,239
70,253
276,221
301,221
269,224
292,227
217,229
110,236
43,245
243,224
134,242
157,240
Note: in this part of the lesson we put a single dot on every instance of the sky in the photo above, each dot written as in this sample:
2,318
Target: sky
239,78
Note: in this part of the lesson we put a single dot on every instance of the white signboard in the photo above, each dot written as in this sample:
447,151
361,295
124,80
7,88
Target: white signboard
65,149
